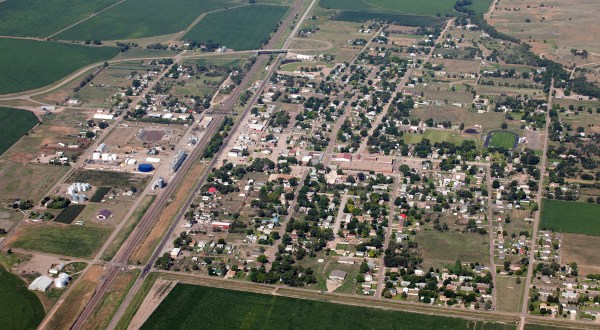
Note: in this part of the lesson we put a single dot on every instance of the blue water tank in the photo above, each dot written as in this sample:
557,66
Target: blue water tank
145,167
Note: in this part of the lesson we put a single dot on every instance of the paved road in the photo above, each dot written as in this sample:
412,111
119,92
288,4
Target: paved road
536,219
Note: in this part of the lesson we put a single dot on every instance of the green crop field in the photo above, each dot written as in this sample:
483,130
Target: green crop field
502,140
41,18
29,64
571,217
134,19
70,240
410,7
69,214
14,123
246,310
238,28
19,307
409,20
99,194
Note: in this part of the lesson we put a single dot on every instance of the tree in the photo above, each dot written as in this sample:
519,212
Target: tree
504,125
262,259
364,267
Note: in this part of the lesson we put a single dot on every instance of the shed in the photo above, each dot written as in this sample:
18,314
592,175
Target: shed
103,214
337,275
41,283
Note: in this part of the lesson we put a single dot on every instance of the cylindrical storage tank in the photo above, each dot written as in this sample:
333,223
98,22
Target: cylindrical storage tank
145,167
65,276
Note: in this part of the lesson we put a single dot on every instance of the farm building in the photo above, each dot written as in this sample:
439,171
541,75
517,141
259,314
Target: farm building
221,225
41,283
103,214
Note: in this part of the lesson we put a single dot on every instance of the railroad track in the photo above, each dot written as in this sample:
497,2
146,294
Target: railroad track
147,221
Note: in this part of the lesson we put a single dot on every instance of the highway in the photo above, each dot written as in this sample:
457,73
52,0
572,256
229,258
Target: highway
147,221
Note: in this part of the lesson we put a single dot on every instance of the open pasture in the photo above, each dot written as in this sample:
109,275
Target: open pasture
441,248
68,240
30,64
135,19
40,178
579,249
41,18
14,123
238,28
571,217
247,310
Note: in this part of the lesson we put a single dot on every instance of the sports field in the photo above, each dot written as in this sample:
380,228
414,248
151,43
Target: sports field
246,310
29,64
14,123
70,240
238,28
502,140
134,19
19,307
571,217
423,7
41,18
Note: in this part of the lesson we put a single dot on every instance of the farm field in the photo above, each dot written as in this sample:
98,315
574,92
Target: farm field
571,217
41,177
510,294
134,19
244,309
41,18
230,27
409,20
19,307
69,214
502,140
29,64
70,240
14,123
425,8
440,248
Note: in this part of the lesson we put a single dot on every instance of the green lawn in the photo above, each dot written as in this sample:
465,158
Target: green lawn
188,307
134,19
571,217
70,240
435,136
238,28
19,307
29,64
423,7
502,140
41,18
14,123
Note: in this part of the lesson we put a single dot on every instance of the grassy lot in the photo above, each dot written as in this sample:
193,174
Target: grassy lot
136,302
109,179
14,123
571,217
576,248
434,136
531,326
502,140
41,18
447,247
425,7
19,307
69,214
29,64
248,310
238,28
510,294
134,19
74,241
228,62
40,178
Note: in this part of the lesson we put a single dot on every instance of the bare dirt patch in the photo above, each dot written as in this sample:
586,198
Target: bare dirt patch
581,249
159,291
